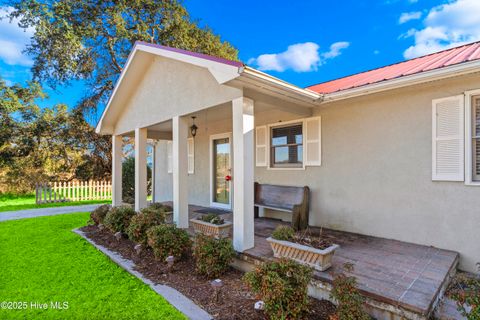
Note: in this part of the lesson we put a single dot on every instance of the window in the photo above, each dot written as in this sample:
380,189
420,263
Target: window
286,146
475,134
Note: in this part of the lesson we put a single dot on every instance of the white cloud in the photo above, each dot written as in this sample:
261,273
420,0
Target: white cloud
409,16
13,40
448,25
300,57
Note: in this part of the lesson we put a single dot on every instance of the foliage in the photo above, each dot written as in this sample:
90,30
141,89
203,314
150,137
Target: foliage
128,180
350,301
118,219
98,215
63,267
212,256
45,144
91,40
161,206
282,286
465,290
212,218
284,233
142,221
168,240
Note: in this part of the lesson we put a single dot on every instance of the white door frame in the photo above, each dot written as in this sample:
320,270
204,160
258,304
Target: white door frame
212,203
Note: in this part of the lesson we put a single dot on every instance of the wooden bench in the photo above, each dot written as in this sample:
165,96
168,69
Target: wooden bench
294,200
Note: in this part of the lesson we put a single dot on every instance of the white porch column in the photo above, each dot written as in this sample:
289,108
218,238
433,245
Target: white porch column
243,173
180,171
117,152
140,168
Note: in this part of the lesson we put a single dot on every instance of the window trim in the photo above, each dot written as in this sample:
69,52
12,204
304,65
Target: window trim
468,138
269,147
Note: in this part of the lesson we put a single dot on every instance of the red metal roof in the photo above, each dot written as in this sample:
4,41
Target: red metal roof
429,62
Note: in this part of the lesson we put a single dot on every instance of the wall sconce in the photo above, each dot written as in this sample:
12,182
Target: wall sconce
193,127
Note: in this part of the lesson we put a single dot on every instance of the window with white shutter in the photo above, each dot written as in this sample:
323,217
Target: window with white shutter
261,146
313,141
448,139
169,156
475,134
191,155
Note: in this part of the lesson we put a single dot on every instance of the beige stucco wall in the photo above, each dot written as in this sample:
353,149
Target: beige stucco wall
375,176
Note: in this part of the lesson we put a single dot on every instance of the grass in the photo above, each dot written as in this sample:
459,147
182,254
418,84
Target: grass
9,202
43,261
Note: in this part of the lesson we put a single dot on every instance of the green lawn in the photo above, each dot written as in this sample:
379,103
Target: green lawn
10,202
42,261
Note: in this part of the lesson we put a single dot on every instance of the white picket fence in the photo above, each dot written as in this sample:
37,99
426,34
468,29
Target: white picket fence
73,191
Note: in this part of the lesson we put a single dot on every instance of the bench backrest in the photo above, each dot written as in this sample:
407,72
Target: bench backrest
279,196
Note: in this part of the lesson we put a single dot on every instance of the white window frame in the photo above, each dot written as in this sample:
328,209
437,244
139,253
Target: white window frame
468,138
269,149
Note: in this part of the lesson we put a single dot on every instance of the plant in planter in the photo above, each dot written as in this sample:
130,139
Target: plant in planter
98,215
212,256
303,247
283,286
212,225
118,219
168,240
464,289
141,222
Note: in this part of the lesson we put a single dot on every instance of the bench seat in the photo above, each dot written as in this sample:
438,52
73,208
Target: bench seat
294,200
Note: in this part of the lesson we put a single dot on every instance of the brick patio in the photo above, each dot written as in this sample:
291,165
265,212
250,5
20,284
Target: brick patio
404,275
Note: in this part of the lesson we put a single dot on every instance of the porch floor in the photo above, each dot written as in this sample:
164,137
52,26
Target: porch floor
397,273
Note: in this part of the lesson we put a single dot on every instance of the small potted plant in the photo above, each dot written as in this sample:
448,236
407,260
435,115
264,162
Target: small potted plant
302,247
212,225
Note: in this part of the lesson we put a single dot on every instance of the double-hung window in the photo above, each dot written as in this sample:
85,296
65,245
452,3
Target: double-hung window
475,137
286,146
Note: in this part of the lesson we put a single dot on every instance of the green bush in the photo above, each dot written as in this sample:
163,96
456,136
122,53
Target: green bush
212,256
282,286
160,206
284,233
128,180
167,240
98,215
212,218
142,221
345,293
118,218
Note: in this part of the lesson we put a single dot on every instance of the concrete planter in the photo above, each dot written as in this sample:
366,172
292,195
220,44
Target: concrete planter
209,229
318,259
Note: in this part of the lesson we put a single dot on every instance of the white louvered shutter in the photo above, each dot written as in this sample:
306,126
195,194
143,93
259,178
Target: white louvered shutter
448,139
313,141
191,156
261,146
169,156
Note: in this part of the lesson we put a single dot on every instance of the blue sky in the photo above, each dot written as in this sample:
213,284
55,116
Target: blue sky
303,42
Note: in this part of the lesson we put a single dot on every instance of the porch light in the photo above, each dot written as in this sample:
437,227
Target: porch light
193,127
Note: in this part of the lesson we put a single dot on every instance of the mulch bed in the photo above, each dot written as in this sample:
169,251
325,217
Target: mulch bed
235,301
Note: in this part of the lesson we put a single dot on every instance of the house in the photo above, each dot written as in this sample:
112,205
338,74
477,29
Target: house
392,152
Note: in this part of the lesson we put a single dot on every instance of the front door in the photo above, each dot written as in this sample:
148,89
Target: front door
221,160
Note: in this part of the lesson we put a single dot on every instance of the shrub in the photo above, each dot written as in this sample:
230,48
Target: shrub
350,301
160,206
284,233
128,180
118,218
282,286
465,291
212,218
167,240
141,222
212,256
98,215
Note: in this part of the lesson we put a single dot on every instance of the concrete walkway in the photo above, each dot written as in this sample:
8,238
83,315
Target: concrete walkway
32,213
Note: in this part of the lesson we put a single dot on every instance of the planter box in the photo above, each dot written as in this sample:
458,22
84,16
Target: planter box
318,259
215,230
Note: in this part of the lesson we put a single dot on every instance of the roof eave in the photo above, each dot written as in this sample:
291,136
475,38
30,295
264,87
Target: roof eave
404,81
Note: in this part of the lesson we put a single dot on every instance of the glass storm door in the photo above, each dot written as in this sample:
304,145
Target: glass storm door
221,171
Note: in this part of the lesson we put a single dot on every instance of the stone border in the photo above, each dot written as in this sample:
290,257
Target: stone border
174,297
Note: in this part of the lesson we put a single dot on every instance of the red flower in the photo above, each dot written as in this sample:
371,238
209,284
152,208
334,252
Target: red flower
228,178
